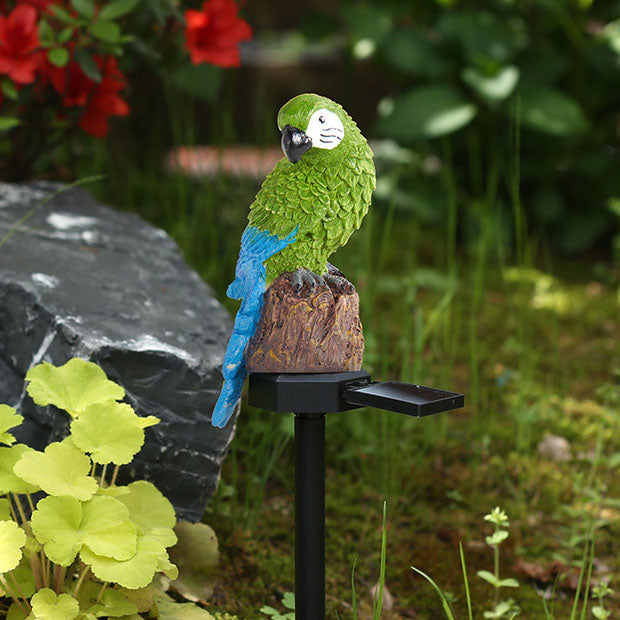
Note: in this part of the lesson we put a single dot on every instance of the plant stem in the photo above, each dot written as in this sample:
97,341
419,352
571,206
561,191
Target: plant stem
114,474
103,471
496,568
101,591
59,577
80,580
20,590
22,514
34,565
9,591
30,503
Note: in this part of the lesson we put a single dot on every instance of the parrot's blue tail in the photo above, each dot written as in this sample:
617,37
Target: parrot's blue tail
249,284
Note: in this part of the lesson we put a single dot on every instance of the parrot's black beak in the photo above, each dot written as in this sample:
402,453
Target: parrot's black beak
295,143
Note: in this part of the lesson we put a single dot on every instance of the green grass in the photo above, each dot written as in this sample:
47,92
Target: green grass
530,337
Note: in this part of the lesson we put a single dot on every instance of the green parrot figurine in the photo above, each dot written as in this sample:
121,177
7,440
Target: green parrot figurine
308,207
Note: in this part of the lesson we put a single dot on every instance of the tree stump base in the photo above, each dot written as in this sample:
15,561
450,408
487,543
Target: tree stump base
307,332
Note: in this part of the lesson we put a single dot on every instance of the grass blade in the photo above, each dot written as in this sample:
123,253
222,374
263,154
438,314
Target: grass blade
444,601
353,595
573,613
379,597
584,607
466,581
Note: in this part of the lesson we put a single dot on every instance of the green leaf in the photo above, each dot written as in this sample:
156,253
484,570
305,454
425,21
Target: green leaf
62,14
152,513
489,577
111,432
600,613
46,34
497,537
288,600
196,554
444,601
61,470
65,34
429,111
492,88
12,539
16,612
86,8
112,604
47,605
136,572
88,65
5,509
508,583
23,576
73,387
9,89
8,419
65,526
168,609
58,56
8,122
117,8
106,31
552,111
9,481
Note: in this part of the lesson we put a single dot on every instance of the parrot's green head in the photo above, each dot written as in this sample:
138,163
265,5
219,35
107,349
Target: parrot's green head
313,124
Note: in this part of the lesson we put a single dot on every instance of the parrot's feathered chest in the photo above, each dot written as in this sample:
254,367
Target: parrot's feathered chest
325,198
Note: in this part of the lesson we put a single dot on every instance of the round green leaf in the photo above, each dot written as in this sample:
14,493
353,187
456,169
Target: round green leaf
429,112
64,526
9,481
136,572
58,56
196,554
47,605
411,51
12,539
73,387
61,470
552,111
86,8
111,604
5,509
111,432
23,576
150,511
492,88
8,420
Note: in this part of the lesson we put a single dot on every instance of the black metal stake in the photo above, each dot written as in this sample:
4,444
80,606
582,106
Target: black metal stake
311,396
310,516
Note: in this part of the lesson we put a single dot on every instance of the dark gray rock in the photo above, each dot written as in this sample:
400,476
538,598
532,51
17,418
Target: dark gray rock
80,279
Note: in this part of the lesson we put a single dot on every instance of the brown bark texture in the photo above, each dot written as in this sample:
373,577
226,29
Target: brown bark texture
307,331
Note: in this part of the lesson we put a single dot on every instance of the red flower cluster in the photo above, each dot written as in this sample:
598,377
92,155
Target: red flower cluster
19,42
22,59
213,34
100,99
54,65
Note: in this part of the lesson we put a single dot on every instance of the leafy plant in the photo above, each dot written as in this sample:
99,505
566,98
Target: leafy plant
90,548
505,608
288,600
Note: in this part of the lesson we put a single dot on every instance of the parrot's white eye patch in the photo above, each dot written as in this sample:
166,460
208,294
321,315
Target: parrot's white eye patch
325,129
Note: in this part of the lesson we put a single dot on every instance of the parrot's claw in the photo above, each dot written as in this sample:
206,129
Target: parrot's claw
305,276
340,283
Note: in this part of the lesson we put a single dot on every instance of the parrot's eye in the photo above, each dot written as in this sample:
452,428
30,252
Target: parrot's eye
325,129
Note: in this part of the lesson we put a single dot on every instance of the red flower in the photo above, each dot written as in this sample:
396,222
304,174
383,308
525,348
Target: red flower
212,35
19,39
101,99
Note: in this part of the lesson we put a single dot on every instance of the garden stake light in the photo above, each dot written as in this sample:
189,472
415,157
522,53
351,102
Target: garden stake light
311,397
301,338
